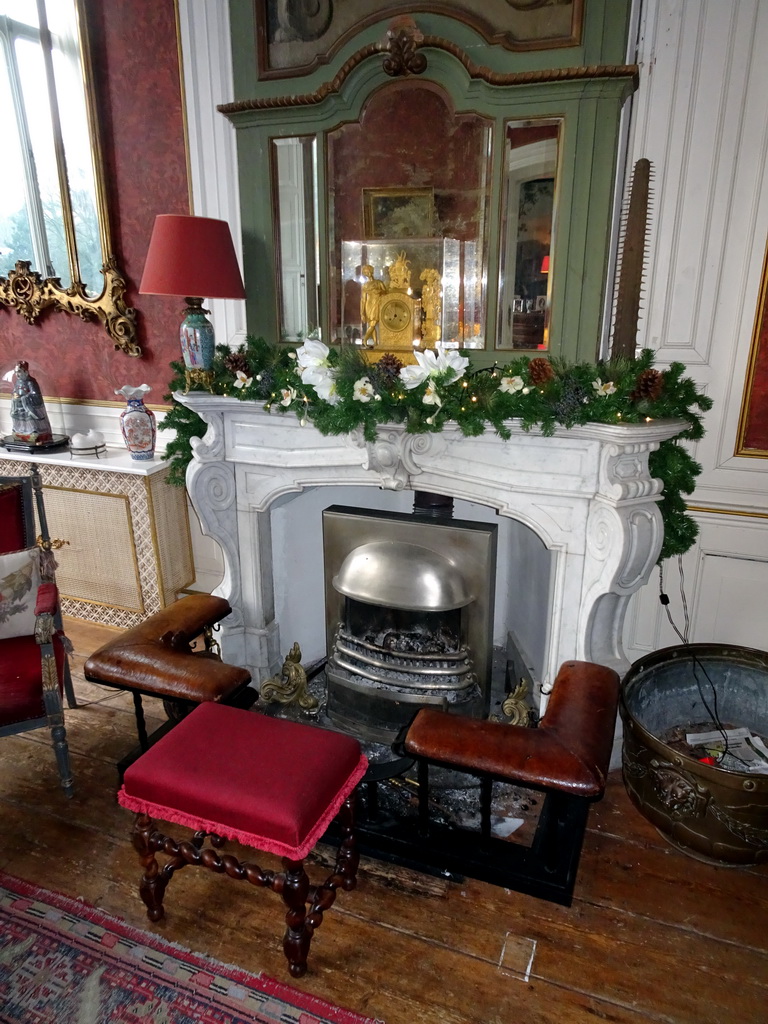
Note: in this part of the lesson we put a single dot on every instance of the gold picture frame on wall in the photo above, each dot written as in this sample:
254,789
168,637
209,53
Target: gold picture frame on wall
296,38
87,281
752,436
398,212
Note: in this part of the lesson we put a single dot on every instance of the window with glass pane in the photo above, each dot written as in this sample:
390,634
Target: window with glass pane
31,215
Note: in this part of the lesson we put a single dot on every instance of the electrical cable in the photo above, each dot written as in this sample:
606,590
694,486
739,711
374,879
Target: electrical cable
664,601
683,597
713,714
713,711
101,700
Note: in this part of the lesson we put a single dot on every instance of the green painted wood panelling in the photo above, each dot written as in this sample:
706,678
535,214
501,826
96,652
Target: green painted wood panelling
590,109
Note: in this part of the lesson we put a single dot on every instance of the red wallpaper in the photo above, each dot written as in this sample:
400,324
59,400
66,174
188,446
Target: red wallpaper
137,79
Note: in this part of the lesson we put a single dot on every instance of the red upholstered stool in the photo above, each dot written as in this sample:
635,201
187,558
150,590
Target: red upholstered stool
265,782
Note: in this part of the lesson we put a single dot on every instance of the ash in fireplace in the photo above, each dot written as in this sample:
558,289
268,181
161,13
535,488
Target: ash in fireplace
455,802
419,640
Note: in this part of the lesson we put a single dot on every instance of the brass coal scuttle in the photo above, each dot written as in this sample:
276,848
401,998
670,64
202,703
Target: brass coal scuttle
703,808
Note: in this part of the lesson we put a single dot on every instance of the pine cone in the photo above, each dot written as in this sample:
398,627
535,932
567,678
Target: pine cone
265,383
236,361
570,404
540,371
384,374
648,386
389,365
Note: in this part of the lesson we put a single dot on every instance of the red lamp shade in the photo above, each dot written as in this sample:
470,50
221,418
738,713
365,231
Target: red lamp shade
191,256
545,265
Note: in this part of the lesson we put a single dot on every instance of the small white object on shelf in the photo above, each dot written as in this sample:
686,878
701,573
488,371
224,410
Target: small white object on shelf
91,443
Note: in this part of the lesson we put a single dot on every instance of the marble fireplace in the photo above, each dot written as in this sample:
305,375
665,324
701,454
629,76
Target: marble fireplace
580,530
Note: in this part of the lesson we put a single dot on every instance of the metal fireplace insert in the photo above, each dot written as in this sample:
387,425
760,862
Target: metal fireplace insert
409,615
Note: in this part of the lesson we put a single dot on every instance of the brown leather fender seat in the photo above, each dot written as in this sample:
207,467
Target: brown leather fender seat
154,658
570,751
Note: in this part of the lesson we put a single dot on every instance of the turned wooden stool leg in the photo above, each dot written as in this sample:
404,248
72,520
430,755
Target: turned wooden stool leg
348,857
141,724
153,882
344,874
294,890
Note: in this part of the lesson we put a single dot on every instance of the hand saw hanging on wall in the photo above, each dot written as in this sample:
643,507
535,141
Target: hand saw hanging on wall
631,263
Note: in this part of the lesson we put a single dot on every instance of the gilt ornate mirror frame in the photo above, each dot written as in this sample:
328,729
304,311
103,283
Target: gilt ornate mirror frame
25,289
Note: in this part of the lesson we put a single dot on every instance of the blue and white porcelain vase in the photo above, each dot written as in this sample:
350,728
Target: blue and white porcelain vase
137,423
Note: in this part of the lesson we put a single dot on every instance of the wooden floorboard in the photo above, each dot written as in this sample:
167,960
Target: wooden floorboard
652,936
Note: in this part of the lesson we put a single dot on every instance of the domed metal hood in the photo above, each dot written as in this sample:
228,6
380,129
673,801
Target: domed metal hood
401,575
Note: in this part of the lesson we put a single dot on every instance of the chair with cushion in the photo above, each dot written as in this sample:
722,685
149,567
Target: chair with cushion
34,670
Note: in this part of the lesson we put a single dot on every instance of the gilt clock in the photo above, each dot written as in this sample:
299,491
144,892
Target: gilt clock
396,320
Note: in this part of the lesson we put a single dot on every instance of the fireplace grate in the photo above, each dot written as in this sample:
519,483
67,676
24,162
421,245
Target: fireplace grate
402,674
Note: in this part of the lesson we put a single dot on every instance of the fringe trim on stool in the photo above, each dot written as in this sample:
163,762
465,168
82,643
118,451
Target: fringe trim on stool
264,843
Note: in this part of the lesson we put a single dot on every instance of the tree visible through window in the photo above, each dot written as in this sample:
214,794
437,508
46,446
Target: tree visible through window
31,213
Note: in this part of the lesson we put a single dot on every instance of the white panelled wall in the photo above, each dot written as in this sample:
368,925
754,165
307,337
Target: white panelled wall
207,81
701,117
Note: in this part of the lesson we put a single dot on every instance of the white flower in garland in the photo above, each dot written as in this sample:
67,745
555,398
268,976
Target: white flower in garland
312,355
362,391
324,383
243,380
431,396
433,362
512,384
313,368
451,360
287,396
609,388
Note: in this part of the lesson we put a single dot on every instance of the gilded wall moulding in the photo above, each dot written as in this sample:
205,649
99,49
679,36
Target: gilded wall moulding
30,295
401,56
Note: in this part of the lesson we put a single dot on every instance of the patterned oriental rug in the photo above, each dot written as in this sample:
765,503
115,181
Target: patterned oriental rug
63,962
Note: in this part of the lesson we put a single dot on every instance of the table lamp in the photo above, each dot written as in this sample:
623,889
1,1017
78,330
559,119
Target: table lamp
194,257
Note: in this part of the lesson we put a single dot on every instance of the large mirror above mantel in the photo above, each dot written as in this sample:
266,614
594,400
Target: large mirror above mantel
410,182
403,153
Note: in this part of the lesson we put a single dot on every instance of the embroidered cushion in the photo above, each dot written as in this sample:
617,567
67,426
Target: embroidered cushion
19,580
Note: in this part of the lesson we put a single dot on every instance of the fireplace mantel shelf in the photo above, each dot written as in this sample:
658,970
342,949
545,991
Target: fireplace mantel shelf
586,492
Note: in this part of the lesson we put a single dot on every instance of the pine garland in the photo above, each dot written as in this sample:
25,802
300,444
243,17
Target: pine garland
542,393
186,424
